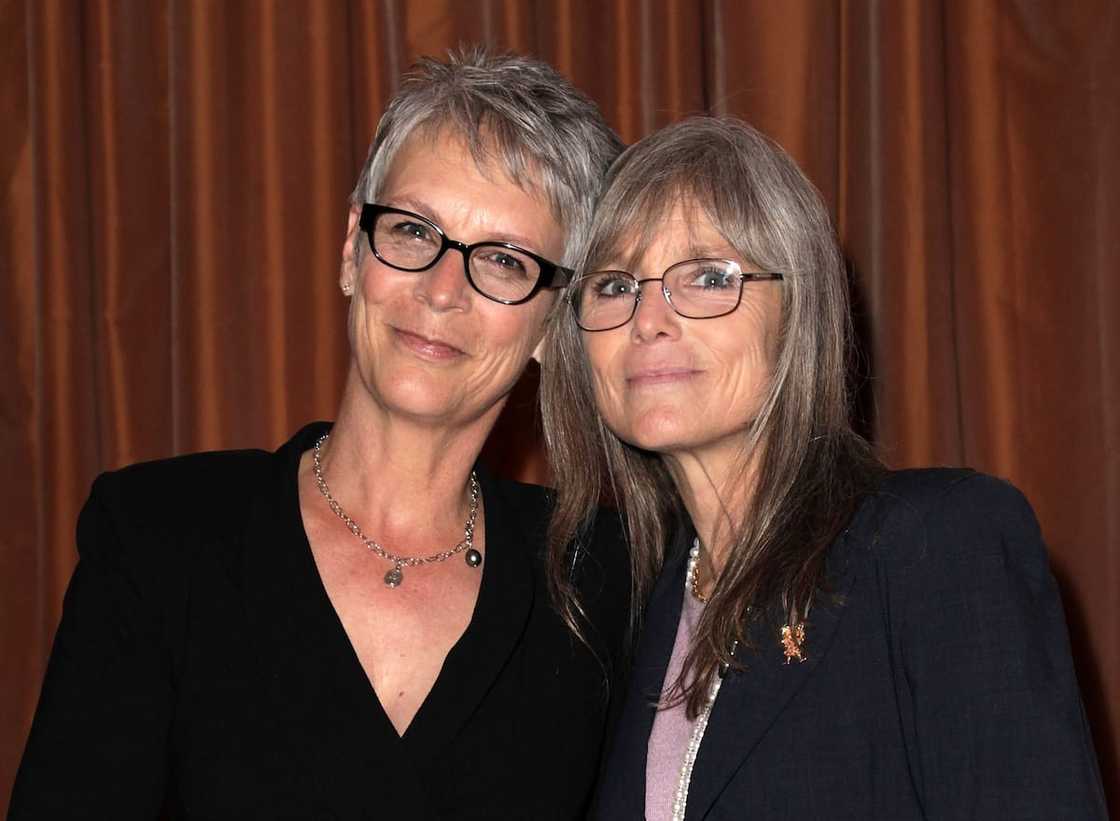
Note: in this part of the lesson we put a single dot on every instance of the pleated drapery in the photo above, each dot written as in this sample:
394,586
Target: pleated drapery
175,180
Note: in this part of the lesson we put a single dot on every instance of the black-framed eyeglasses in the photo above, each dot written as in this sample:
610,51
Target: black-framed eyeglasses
694,288
500,271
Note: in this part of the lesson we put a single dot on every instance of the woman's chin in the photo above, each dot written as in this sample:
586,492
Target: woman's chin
658,435
417,401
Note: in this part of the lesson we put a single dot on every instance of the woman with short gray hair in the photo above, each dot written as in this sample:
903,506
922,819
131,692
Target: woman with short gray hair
825,639
358,625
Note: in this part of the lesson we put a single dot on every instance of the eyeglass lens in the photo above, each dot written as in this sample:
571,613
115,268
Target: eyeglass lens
698,289
413,244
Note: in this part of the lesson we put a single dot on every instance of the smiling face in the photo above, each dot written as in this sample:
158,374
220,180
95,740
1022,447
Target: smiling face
426,345
686,386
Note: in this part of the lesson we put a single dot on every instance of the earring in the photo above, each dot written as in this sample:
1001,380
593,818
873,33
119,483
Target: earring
347,288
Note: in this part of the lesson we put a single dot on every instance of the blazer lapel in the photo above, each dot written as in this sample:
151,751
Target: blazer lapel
622,794
502,611
325,713
750,701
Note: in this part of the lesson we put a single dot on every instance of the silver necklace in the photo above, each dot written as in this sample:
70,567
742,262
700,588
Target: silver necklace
680,797
395,576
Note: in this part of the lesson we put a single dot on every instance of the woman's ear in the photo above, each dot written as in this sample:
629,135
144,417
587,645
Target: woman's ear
552,316
348,271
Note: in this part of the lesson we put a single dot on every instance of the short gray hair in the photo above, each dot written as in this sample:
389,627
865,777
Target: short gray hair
516,111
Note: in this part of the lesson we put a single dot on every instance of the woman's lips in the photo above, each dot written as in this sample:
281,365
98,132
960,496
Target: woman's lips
660,376
432,349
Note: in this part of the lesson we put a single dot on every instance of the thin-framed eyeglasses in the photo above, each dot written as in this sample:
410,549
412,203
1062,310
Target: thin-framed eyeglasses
701,288
500,271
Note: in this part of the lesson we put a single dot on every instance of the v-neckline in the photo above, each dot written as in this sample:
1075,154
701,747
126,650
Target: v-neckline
473,660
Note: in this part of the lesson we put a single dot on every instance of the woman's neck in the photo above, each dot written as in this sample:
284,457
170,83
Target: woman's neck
401,479
716,489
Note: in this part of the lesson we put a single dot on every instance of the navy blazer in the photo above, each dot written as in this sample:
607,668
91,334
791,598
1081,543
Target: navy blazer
938,681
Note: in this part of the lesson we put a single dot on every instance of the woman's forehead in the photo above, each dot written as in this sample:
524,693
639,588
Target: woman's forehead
684,230
482,152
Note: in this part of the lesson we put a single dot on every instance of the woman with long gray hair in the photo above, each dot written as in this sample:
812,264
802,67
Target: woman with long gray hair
358,625
824,639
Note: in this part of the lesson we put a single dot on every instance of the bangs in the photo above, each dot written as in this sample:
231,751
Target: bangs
630,221
707,183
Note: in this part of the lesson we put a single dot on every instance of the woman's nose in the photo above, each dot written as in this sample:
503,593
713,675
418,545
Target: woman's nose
444,286
653,315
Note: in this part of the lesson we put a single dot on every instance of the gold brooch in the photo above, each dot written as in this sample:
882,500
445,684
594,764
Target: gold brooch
792,638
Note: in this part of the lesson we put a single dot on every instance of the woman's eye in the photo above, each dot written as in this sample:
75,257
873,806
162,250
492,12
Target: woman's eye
508,261
713,279
612,286
500,263
414,230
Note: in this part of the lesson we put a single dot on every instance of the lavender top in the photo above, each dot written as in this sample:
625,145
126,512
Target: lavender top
672,730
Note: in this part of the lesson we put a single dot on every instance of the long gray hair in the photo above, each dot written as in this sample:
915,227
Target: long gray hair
810,468
511,110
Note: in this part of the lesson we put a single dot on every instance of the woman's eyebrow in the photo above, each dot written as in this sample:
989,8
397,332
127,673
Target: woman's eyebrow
720,251
514,239
416,205
409,203
637,266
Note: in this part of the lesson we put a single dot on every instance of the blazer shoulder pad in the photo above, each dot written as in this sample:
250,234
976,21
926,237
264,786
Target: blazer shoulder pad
184,490
914,512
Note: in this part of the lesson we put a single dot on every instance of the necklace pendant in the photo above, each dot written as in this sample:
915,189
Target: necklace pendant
394,577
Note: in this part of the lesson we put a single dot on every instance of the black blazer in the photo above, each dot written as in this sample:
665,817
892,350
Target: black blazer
199,667
938,682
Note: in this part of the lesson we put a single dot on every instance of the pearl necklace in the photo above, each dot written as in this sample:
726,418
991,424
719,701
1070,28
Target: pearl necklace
680,798
692,580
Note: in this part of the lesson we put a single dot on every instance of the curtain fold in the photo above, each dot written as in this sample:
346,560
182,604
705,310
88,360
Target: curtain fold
894,215
176,177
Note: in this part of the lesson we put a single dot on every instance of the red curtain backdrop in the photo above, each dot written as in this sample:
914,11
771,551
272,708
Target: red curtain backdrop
175,178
